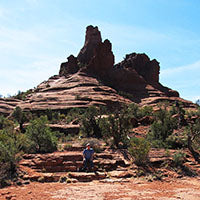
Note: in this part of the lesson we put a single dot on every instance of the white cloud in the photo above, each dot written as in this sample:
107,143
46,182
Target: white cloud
184,79
193,98
186,68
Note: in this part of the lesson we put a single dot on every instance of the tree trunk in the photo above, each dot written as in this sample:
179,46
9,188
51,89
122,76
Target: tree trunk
191,149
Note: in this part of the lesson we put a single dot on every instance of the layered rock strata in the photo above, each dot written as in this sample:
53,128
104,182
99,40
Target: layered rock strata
92,78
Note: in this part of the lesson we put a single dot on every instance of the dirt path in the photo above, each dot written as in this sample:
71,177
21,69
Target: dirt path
184,189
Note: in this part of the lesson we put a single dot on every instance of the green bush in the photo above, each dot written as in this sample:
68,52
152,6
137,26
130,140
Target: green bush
138,112
177,141
20,117
67,147
12,145
162,128
42,139
2,121
179,158
139,149
74,113
116,127
5,123
94,143
173,110
90,123
53,116
194,131
23,95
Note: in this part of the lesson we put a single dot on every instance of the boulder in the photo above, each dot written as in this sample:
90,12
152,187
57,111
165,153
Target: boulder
121,174
87,176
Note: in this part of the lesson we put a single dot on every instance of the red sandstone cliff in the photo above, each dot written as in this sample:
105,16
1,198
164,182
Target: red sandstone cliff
92,78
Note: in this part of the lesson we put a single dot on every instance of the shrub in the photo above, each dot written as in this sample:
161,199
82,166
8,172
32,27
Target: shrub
139,149
23,95
94,143
42,139
162,128
6,123
135,111
12,145
177,141
2,121
193,140
19,116
90,124
116,126
74,113
67,146
53,116
195,134
173,110
179,158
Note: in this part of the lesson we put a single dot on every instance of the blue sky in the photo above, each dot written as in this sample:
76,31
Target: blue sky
37,35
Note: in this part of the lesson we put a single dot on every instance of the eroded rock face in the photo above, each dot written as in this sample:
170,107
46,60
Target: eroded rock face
102,60
7,105
148,69
92,40
136,74
69,67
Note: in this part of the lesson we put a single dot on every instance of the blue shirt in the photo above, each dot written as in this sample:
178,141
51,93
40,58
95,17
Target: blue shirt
88,153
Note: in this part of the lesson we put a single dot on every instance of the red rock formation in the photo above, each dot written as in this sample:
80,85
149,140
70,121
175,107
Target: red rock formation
102,60
92,40
141,63
69,67
91,78
7,105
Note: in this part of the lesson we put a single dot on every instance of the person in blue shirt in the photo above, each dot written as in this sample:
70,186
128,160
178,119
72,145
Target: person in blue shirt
88,154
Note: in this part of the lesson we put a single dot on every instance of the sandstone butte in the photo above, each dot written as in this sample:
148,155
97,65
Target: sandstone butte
92,78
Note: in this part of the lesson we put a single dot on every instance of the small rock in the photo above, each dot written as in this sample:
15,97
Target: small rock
19,183
5,193
26,182
63,179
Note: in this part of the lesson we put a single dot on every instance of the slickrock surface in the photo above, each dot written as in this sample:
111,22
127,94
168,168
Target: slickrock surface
77,90
7,105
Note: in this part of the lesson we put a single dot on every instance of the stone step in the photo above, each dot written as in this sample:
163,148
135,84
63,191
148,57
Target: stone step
78,176
72,166
84,177
66,177
70,161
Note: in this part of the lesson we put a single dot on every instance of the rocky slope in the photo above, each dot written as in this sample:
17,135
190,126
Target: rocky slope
108,165
91,78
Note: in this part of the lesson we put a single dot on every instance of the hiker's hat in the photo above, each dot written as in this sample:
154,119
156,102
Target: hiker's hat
88,144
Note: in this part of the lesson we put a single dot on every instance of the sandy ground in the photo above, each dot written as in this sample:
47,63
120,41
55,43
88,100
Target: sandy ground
185,189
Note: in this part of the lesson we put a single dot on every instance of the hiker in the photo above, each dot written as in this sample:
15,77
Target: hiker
88,154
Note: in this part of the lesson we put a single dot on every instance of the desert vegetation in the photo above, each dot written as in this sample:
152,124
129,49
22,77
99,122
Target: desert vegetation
169,127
